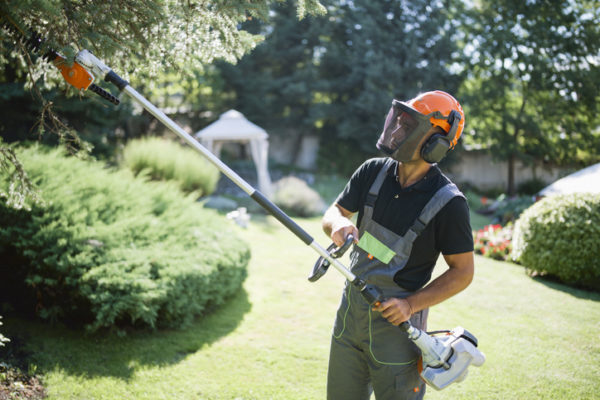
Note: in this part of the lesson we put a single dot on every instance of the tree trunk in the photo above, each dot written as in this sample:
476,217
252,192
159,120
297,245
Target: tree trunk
511,175
518,127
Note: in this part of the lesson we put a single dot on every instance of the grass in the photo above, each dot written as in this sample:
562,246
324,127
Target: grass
271,340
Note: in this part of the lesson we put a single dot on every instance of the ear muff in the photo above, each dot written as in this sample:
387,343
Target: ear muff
435,148
438,145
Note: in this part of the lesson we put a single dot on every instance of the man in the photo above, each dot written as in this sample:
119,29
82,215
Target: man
408,213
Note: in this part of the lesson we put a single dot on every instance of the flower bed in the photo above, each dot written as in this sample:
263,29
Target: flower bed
494,241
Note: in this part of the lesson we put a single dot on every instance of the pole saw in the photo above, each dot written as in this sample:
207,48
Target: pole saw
445,358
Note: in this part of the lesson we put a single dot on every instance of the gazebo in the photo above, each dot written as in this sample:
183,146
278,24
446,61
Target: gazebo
232,126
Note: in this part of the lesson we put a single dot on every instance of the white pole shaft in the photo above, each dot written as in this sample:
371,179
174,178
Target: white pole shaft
245,186
168,122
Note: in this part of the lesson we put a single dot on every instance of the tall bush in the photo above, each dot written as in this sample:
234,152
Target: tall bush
559,235
294,196
108,249
164,159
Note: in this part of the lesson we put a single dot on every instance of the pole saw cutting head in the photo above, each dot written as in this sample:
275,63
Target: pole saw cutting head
445,358
80,75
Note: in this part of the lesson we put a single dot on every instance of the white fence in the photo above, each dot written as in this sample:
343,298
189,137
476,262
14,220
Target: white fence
480,170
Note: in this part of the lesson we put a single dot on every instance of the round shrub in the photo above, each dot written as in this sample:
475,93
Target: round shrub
560,236
108,249
164,159
294,196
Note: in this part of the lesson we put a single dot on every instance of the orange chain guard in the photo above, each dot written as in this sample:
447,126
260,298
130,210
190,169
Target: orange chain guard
75,75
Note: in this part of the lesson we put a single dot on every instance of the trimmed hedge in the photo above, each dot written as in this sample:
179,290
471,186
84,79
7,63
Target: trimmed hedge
164,159
109,249
560,236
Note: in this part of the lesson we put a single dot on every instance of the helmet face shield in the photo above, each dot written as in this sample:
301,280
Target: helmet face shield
403,131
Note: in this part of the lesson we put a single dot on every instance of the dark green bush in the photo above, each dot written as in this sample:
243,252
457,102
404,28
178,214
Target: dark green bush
560,236
164,159
294,196
531,186
109,249
508,209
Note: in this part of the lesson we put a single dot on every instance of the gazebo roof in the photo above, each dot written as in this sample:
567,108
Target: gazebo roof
586,180
232,125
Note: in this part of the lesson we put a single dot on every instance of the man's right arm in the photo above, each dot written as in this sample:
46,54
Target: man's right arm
336,221
337,224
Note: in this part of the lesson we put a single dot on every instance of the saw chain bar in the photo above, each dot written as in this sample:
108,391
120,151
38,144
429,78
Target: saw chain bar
32,41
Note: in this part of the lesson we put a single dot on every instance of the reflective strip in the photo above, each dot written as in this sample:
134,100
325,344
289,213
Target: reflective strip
377,249
345,314
371,347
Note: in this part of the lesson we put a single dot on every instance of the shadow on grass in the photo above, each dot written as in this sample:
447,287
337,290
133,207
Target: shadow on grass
580,293
50,348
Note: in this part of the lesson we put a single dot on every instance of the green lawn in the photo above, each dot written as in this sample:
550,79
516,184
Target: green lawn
271,341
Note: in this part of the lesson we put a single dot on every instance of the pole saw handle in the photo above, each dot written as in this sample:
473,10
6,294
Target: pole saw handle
104,94
405,326
338,252
320,267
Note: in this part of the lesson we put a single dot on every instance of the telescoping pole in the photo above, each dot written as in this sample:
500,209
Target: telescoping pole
98,68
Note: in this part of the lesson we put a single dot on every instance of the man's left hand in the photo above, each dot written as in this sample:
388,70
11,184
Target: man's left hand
395,310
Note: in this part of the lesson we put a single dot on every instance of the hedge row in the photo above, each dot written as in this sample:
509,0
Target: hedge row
560,236
109,249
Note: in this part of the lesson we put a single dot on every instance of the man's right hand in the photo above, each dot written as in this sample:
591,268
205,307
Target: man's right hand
337,224
341,229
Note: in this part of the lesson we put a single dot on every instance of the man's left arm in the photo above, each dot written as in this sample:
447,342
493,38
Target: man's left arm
455,279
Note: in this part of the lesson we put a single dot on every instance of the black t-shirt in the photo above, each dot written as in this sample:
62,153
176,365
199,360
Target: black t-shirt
397,208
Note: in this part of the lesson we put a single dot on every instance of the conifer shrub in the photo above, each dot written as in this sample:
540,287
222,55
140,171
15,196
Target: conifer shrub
164,159
559,236
111,250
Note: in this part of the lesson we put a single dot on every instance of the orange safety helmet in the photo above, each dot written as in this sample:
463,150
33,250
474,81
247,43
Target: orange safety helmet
430,102
407,123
